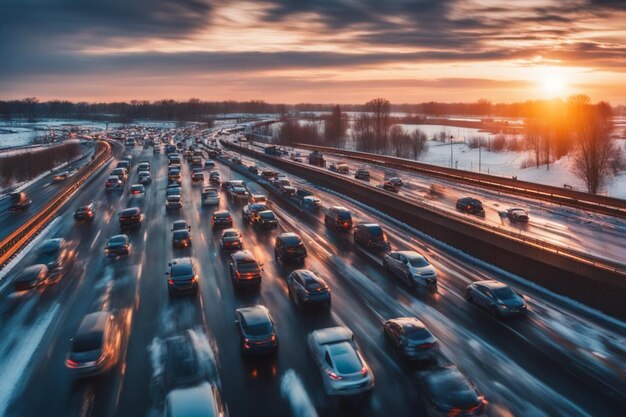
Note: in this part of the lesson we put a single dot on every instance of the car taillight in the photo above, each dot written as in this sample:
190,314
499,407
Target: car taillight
170,281
238,274
334,376
273,338
425,345
194,279
364,371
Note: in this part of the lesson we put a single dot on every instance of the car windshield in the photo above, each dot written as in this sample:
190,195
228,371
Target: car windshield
247,265
416,333
504,293
221,215
345,358
129,212
267,215
182,269
49,248
344,215
418,261
291,240
118,239
259,329
87,343
231,234
376,232
181,234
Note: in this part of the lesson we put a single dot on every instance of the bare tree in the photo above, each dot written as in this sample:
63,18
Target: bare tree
595,148
30,105
418,139
381,122
335,127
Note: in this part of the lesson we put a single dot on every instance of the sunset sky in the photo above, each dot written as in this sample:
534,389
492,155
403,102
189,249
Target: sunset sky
323,51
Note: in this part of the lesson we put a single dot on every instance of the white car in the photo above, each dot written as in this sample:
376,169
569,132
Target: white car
413,268
343,369
210,196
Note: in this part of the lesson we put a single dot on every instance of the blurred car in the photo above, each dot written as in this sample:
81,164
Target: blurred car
253,170
156,150
517,215
269,174
95,346
124,163
210,196
209,163
121,173
85,212
173,191
238,194
338,217
445,391
310,202
497,298
306,288
245,271
289,248
371,235
61,176
197,176
410,337
144,177
250,211
397,181
296,157
221,218
180,225
343,369
31,277
391,186
470,205
143,166
173,202
137,190
289,191
256,330
181,238
413,268
362,174
231,239
281,183
57,255
182,276
265,219
130,217
257,198
181,363
19,201
174,175
113,183
203,400
118,245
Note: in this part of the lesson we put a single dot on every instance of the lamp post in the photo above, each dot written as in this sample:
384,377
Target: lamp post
451,137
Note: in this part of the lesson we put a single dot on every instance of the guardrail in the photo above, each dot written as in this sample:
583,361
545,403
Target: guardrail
596,282
567,197
20,237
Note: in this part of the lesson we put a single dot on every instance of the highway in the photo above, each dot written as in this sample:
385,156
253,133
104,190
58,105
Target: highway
588,233
561,360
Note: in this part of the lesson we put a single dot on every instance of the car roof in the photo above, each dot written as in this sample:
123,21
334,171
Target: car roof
131,210
51,244
332,335
266,213
197,401
371,225
289,237
221,212
492,284
408,322
137,186
32,270
243,255
309,277
93,323
256,314
119,237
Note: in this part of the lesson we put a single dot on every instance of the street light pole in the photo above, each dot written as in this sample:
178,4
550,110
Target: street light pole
451,137
479,155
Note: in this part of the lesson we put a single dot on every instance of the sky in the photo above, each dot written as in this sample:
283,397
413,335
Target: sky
317,51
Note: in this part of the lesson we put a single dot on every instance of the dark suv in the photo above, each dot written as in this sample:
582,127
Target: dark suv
306,288
256,330
130,217
471,206
95,347
371,235
56,254
249,211
182,276
338,218
289,248
362,174
84,213
245,271
266,219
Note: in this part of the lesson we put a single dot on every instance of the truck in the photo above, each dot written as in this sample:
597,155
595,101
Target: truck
317,159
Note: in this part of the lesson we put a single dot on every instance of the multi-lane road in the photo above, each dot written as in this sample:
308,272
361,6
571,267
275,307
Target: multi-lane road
561,360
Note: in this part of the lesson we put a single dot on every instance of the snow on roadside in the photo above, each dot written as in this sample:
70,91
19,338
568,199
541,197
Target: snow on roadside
292,389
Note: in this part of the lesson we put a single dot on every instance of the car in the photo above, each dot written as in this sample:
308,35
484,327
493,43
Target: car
173,159
95,346
445,391
118,245
307,289
156,150
31,277
282,183
411,338
231,239
113,183
288,247
123,164
362,174
232,184
121,173
174,175
225,185
413,268
214,174
249,212
342,367
182,276
182,363
245,271
181,238
396,180
130,217
137,190
209,163
180,225
517,215
310,202
269,174
201,400
265,219
61,176
238,194
342,168
257,198
236,160
221,218
144,177
497,298
289,191
19,201
173,202
338,217
56,254
86,212
143,166
253,170
470,205
372,236
197,176
391,186
210,196
257,333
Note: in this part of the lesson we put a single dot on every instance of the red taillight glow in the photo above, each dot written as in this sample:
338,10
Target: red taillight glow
334,376
170,281
364,371
425,345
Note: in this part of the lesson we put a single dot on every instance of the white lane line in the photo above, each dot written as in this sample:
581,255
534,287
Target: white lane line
94,240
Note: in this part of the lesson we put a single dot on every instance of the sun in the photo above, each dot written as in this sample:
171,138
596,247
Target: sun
553,83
